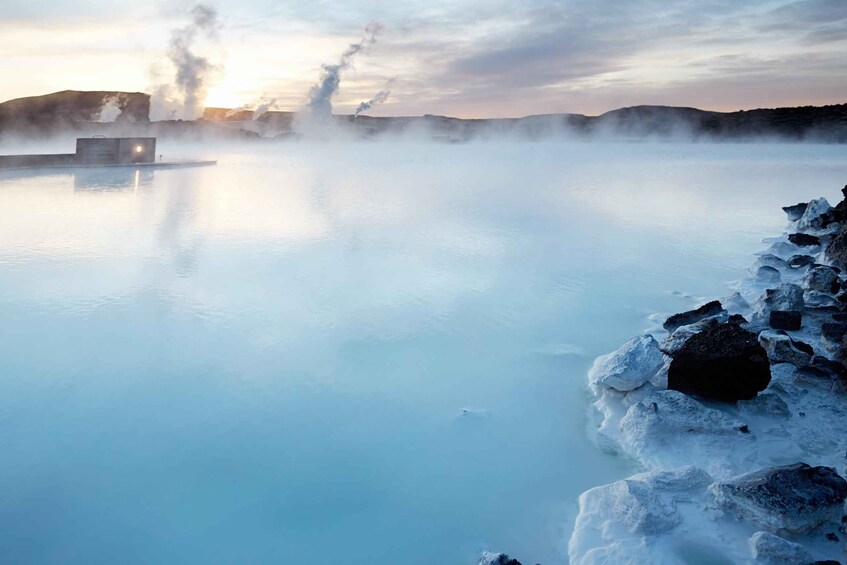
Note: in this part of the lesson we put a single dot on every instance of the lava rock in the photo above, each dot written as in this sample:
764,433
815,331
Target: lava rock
774,550
803,346
664,415
640,509
795,212
497,559
723,362
792,499
735,304
780,349
707,310
834,332
736,319
804,239
785,320
820,300
771,260
765,404
629,367
785,297
818,215
677,339
641,505
782,249
837,250
815,374
823,279
835,368
768,275
800,261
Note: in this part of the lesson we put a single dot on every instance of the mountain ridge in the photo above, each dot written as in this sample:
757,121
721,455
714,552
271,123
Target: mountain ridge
80,110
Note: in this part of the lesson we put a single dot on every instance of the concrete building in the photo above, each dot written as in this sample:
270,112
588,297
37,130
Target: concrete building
91,151
115,150
138,152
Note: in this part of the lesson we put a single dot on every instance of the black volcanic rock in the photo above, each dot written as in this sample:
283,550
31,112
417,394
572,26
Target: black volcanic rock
795,212
707,310
837,250
498,559
798,261
785,320
804,239
803,346
723,362
834,332
835,368
794,498
840,211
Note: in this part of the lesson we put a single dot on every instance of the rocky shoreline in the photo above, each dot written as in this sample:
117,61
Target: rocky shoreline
737,413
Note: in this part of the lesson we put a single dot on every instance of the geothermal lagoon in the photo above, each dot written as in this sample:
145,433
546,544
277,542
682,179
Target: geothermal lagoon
347,352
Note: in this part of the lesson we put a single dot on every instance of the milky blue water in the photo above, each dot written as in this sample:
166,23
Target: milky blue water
360,353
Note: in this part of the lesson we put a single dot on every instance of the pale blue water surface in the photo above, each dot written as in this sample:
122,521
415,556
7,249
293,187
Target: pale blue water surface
351,353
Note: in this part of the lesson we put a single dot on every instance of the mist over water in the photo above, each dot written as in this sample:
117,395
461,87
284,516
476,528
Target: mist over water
362,352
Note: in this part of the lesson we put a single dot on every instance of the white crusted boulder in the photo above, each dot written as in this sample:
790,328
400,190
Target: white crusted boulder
638,506
769,549
665,416
817,299
814,217
822,279
736,304
770,260
765,404
785,297
617,522
629,367
780,349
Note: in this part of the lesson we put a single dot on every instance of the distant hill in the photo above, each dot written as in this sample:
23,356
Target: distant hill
71,108
81,112
820,123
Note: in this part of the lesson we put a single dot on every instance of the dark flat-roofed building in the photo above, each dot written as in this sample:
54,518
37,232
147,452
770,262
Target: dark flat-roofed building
101,152
115,150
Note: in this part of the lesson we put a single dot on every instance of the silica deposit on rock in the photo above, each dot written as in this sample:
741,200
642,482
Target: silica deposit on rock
737,411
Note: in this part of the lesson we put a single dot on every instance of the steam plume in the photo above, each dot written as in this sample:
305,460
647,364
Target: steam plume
263,107
192,70
110,109
378,99
320,95
259,107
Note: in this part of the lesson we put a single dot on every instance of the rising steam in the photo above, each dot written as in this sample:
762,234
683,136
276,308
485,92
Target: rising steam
319,106
259,107
110,109
184,98
378,99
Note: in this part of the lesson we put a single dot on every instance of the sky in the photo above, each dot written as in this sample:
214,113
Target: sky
464,58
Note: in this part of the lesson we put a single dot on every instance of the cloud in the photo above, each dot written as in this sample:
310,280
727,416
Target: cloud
475,57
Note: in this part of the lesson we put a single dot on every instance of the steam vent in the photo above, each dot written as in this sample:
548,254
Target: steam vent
99,152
